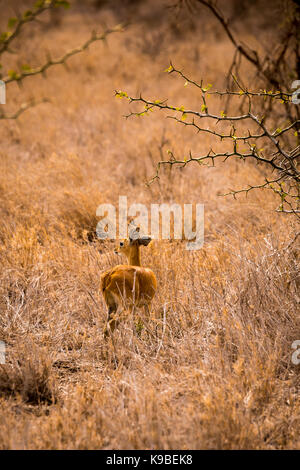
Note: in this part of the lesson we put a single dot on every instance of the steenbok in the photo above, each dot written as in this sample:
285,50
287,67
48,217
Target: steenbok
129,285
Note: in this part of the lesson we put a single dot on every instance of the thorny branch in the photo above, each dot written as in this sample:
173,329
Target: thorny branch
284,164
8,37
274,67
18,76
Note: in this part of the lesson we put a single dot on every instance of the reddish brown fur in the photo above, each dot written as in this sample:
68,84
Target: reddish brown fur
128,285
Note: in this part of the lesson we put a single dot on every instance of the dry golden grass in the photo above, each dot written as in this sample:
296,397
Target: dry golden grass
214,371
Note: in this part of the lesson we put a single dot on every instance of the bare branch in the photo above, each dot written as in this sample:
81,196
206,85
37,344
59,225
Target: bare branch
30,15
19,76
22,108
283,163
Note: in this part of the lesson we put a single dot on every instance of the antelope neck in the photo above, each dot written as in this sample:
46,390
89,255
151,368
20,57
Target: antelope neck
134,258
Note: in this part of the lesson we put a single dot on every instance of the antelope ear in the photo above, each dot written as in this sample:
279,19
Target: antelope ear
134,234
144,240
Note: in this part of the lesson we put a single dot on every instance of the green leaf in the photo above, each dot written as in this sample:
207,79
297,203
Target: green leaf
26,67
12,74
11,22
169,69
39,4
121,94
5,35
62,3
184,116
208,86
27,14
204,108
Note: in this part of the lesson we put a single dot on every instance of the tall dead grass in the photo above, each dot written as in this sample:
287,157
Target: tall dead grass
214,369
